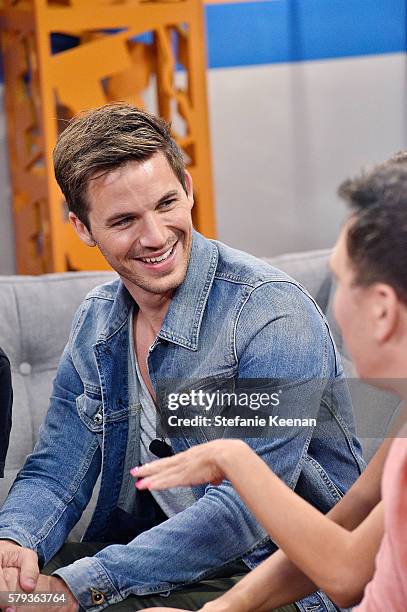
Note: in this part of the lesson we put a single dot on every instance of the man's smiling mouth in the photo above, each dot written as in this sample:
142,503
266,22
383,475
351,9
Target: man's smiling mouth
156,260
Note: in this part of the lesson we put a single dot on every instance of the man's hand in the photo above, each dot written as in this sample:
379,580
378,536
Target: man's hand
13,555
19,571
53,584
45,584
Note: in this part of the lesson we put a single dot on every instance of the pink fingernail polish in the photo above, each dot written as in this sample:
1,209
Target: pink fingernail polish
134,470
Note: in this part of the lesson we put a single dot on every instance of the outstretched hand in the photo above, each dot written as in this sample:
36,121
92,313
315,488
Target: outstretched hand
198,465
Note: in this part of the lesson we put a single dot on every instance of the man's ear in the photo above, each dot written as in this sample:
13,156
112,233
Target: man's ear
190,188
81,229
385,311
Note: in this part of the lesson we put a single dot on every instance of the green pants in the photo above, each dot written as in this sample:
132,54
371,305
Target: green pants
189,598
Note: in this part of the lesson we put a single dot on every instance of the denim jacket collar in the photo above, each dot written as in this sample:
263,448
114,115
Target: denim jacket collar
184,316
118,314
183,319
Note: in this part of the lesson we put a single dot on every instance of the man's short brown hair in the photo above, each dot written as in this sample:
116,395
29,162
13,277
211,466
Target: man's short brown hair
105,138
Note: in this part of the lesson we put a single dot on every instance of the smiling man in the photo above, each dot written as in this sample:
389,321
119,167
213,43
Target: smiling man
196,315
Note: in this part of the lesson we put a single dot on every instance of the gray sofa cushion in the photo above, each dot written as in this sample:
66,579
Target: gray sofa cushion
35,318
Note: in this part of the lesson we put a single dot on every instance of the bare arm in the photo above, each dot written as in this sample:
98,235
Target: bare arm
278,581
329,554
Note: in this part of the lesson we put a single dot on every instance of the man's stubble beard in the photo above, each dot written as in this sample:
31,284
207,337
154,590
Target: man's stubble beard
152,286
149,284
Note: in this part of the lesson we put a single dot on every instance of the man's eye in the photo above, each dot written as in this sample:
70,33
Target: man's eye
167,203
122,222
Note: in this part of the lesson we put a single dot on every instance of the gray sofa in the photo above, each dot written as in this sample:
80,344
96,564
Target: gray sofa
35,317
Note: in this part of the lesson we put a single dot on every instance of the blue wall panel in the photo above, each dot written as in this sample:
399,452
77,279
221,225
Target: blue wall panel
250,33
296,30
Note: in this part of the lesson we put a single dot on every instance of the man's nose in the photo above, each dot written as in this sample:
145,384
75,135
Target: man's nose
153,233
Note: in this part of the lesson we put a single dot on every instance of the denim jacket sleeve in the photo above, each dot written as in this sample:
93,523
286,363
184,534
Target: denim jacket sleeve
56,482
281,335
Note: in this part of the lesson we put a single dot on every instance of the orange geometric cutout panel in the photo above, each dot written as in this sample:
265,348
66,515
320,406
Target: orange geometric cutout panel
151,54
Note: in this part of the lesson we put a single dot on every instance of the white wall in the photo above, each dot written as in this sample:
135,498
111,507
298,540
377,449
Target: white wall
285,135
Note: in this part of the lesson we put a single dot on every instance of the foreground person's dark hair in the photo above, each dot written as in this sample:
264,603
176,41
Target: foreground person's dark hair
377,235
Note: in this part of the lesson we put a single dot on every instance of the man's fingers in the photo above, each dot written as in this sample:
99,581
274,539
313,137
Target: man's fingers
23,561
8,583
3,583
29,571
11,575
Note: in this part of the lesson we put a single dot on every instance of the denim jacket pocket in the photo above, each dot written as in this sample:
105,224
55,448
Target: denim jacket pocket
90,411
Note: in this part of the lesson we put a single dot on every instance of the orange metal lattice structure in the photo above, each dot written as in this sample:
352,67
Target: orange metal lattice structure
109,62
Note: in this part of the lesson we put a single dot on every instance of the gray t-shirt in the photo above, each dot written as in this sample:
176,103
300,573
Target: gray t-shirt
170,501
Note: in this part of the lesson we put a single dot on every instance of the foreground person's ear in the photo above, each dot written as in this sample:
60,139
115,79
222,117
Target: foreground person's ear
385,311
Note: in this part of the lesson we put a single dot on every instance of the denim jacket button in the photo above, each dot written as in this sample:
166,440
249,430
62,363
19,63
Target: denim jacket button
98,418
98,597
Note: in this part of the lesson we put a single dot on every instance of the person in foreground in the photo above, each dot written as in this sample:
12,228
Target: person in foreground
184,308
363,540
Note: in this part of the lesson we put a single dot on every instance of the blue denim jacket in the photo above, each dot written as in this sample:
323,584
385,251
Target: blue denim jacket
234,316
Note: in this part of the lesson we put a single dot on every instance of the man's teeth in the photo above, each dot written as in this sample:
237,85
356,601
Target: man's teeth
158,259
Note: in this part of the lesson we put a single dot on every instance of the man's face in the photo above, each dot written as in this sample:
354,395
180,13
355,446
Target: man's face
140,218
353,312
